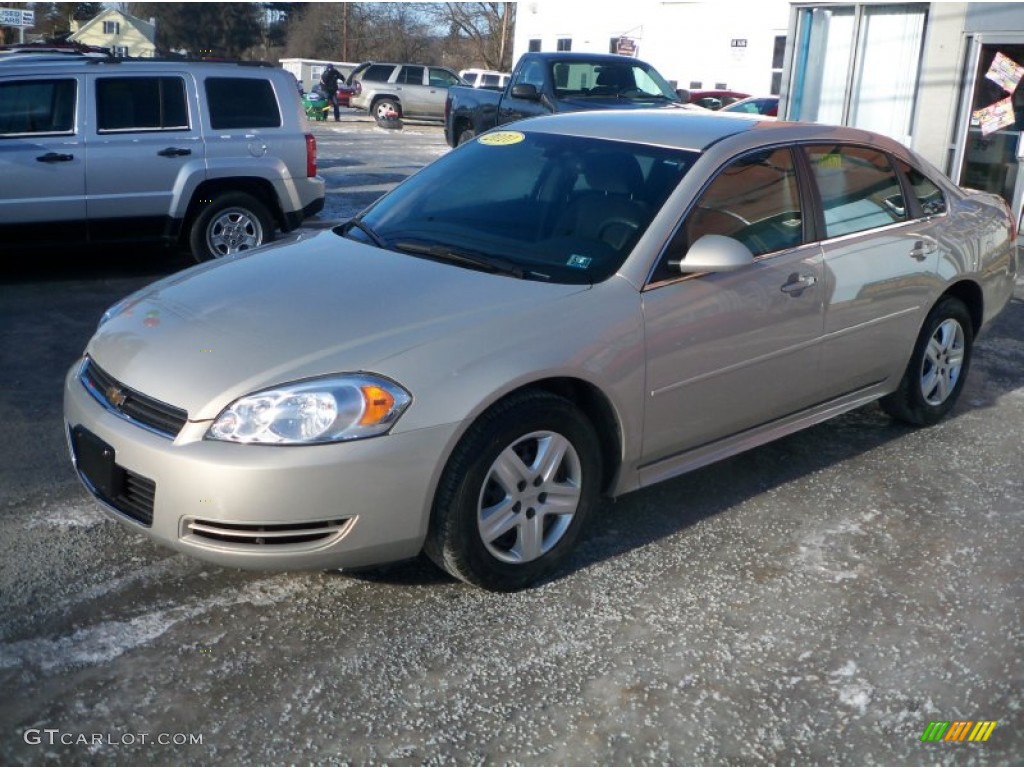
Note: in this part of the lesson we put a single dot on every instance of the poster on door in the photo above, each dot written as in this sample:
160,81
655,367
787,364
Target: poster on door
1005,72
994,116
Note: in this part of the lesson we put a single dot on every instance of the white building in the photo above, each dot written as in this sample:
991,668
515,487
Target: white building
730,44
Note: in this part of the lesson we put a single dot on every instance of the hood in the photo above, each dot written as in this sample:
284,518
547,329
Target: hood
203,337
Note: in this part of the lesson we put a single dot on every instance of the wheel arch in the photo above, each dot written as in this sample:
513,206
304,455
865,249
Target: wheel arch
378,97
970,294
259,188
594,405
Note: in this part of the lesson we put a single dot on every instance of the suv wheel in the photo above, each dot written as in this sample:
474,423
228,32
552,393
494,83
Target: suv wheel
386,109
231,223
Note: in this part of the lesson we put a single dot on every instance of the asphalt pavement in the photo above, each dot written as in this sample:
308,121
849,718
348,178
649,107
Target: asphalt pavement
820,600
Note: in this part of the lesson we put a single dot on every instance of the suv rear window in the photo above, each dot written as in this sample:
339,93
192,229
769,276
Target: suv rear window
242,102
378,72
140,104
37,106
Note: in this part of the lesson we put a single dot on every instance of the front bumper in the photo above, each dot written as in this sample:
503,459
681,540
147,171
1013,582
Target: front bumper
341,505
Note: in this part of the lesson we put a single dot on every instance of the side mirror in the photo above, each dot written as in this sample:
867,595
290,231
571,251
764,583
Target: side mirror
525,91
715,253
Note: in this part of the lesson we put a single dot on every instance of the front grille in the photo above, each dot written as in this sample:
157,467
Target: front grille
258,536
129,404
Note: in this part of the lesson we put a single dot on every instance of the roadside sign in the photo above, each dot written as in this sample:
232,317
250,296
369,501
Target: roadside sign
17,17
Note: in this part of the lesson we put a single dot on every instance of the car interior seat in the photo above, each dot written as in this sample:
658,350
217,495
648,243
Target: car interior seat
608,206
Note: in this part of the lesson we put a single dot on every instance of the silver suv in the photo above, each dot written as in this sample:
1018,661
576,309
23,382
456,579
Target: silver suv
408,90
216,156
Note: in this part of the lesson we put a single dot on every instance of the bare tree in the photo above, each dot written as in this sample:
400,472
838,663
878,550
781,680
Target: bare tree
486,29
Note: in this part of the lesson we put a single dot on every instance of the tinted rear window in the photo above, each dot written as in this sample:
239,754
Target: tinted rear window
242,102
378,73
141,104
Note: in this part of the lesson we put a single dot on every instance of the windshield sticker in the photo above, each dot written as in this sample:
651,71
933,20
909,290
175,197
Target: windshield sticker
501,138
579,262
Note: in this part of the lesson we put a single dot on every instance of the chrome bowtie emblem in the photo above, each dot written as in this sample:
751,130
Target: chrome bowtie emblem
115,396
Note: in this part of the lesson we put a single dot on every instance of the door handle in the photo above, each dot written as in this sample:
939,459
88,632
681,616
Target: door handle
174,152
797,284
922,249
55,157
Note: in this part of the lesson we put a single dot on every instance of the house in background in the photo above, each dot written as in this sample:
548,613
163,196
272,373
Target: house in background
308,71
123,34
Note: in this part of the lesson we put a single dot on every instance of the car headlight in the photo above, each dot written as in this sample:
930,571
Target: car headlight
324,410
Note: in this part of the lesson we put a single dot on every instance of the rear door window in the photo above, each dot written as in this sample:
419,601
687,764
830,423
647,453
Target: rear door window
410,76
859,188
242,102
141,104
928,194
37,106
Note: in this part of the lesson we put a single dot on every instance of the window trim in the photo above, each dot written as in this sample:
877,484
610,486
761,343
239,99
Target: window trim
814,233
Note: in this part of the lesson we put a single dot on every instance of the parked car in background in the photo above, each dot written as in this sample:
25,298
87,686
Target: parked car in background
543,83
712,99
407,90
485,78
577,305
755,105
214,156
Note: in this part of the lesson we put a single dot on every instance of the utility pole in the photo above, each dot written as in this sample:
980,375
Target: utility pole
344,32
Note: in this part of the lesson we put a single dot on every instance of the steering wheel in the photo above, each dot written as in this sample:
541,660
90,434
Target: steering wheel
617,239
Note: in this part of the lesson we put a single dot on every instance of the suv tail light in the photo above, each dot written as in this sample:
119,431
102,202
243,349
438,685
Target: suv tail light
310,155
357,87
447,107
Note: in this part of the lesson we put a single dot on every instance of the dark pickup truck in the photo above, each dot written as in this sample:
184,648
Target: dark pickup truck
543,83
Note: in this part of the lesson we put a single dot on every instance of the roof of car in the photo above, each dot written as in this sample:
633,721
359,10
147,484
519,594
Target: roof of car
78,59
691,129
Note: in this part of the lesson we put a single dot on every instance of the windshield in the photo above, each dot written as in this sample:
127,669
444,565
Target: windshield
539,206
632,82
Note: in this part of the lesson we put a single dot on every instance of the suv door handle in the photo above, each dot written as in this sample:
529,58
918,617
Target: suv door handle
55,157
174,152
797,284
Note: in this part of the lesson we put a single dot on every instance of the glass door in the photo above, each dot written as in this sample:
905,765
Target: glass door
989,154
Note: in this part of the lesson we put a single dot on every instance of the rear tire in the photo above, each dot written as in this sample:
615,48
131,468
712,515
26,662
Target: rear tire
230,223
516,492
384,107
938,367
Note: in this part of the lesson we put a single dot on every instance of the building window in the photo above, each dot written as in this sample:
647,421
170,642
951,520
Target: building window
858,65
111,27
121,51
564,44
778,58
535,45
613,45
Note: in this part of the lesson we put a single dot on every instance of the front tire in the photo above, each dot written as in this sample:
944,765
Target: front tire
515,493
230,223
465,134
938,367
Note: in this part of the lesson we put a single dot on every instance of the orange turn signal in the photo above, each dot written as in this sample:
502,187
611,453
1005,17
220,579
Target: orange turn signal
379,403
